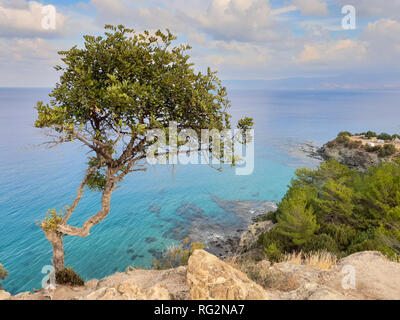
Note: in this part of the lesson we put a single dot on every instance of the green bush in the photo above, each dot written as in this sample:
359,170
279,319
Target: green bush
387,150
177,256
373,149
344,134
395,136
3,273
342,234
369,134
342,139
340,210
68,276
366,245
320,242
273,253
385,136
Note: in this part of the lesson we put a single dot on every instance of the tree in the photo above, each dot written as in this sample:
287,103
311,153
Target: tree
296,217
110,95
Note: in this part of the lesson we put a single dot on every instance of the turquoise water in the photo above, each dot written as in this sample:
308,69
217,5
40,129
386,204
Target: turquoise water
145,216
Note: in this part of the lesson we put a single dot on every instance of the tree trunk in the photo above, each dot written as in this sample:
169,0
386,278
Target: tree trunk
56,240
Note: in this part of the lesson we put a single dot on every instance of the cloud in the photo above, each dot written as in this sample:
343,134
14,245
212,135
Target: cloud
343,51
27,62
383,37
243,20
311,7
374,8
25,19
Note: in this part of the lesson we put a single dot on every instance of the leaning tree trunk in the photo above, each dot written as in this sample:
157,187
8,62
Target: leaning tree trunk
56,240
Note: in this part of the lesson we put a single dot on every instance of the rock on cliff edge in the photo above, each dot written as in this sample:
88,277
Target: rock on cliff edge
212,279
364,275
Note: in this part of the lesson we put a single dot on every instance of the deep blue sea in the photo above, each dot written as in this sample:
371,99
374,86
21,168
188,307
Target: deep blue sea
146,212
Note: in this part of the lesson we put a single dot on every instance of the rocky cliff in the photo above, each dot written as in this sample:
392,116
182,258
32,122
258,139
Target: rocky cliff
355,158
365,275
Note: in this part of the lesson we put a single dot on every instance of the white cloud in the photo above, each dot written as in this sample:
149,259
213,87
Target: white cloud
311,7
25,19
343,51
375,8
27,62
244,20
383,37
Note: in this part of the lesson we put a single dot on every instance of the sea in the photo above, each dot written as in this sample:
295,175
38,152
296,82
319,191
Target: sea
157,209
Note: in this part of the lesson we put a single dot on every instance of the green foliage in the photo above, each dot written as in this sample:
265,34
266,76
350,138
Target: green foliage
116,88
96,181
273,253
296,218
52,220
177,256
395,136
354,212
344,140
69,277
385,136
3,273
369,134
320,242
344,134
372,149
128,82
387,150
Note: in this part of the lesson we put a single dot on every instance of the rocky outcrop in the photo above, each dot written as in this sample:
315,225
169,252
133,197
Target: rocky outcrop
356,158
375,276
4,295
249,238
212,279
364,275
360,276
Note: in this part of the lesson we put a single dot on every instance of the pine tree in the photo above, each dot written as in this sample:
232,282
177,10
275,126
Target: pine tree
296,217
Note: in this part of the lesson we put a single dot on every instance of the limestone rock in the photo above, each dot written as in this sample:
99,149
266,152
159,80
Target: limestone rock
131,291
250,237
158,292
4,295
92,284
358,159
212,279
376,277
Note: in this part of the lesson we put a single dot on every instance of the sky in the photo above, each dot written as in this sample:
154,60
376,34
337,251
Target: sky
286,43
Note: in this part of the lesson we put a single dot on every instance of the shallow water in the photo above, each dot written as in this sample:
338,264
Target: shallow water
153,210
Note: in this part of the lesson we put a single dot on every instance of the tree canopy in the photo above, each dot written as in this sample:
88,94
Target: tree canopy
111,93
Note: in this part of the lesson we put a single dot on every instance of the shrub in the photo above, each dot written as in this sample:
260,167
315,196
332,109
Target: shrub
177,255
366,245
320,242
342,234
395,136
353,144
342,139
68,276
385,136
322,260
273,253
387,150
3,273
372,149
344,134
354,212
369,134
